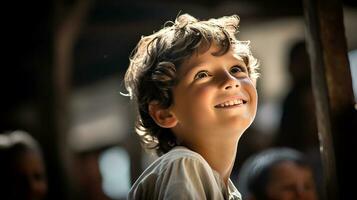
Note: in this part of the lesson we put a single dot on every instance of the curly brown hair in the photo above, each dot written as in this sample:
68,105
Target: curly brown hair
153,64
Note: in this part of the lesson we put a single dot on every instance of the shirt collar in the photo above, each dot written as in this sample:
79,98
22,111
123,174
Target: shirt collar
233,192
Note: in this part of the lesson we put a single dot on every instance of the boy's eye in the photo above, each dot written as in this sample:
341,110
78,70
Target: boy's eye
201,75
237,69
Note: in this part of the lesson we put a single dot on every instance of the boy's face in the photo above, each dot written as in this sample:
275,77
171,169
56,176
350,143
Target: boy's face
214,95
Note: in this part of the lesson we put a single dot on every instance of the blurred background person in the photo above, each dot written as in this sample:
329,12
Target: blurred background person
279,174
298,125
23,174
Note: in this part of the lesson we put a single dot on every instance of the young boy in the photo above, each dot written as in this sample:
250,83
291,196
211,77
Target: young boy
194,86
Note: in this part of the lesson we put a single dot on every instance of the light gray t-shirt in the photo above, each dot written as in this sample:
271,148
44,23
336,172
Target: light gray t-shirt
182,174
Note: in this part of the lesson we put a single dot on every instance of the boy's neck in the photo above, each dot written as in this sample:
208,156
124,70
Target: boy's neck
220,155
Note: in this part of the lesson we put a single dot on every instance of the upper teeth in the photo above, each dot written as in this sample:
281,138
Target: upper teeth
230,103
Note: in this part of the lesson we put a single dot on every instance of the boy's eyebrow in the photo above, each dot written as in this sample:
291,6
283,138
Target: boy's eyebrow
241,58
193,67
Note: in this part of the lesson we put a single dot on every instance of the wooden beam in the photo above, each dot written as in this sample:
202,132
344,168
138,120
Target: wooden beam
332,87
52,63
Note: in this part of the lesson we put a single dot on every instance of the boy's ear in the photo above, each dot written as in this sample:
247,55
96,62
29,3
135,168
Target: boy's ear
162,116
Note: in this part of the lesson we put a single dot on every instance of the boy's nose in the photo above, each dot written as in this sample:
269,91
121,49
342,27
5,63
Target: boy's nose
230,82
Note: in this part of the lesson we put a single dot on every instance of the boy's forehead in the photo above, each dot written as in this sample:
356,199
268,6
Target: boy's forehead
199,57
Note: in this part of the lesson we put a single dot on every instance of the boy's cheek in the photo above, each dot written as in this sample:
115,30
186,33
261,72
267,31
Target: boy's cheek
203,92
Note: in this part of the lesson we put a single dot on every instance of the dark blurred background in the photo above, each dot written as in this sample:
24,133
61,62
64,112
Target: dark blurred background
62,72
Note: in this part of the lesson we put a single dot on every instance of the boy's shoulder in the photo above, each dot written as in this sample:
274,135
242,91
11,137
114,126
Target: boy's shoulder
181,152
179,164
178,156
179,170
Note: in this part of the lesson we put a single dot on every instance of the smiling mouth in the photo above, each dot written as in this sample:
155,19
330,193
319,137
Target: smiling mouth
232,103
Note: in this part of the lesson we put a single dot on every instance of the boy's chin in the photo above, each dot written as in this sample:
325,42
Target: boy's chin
235,129
239,123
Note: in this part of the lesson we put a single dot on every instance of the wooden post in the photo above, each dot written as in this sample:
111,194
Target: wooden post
53,62
332,87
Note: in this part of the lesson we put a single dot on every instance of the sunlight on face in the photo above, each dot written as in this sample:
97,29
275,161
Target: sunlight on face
214,96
